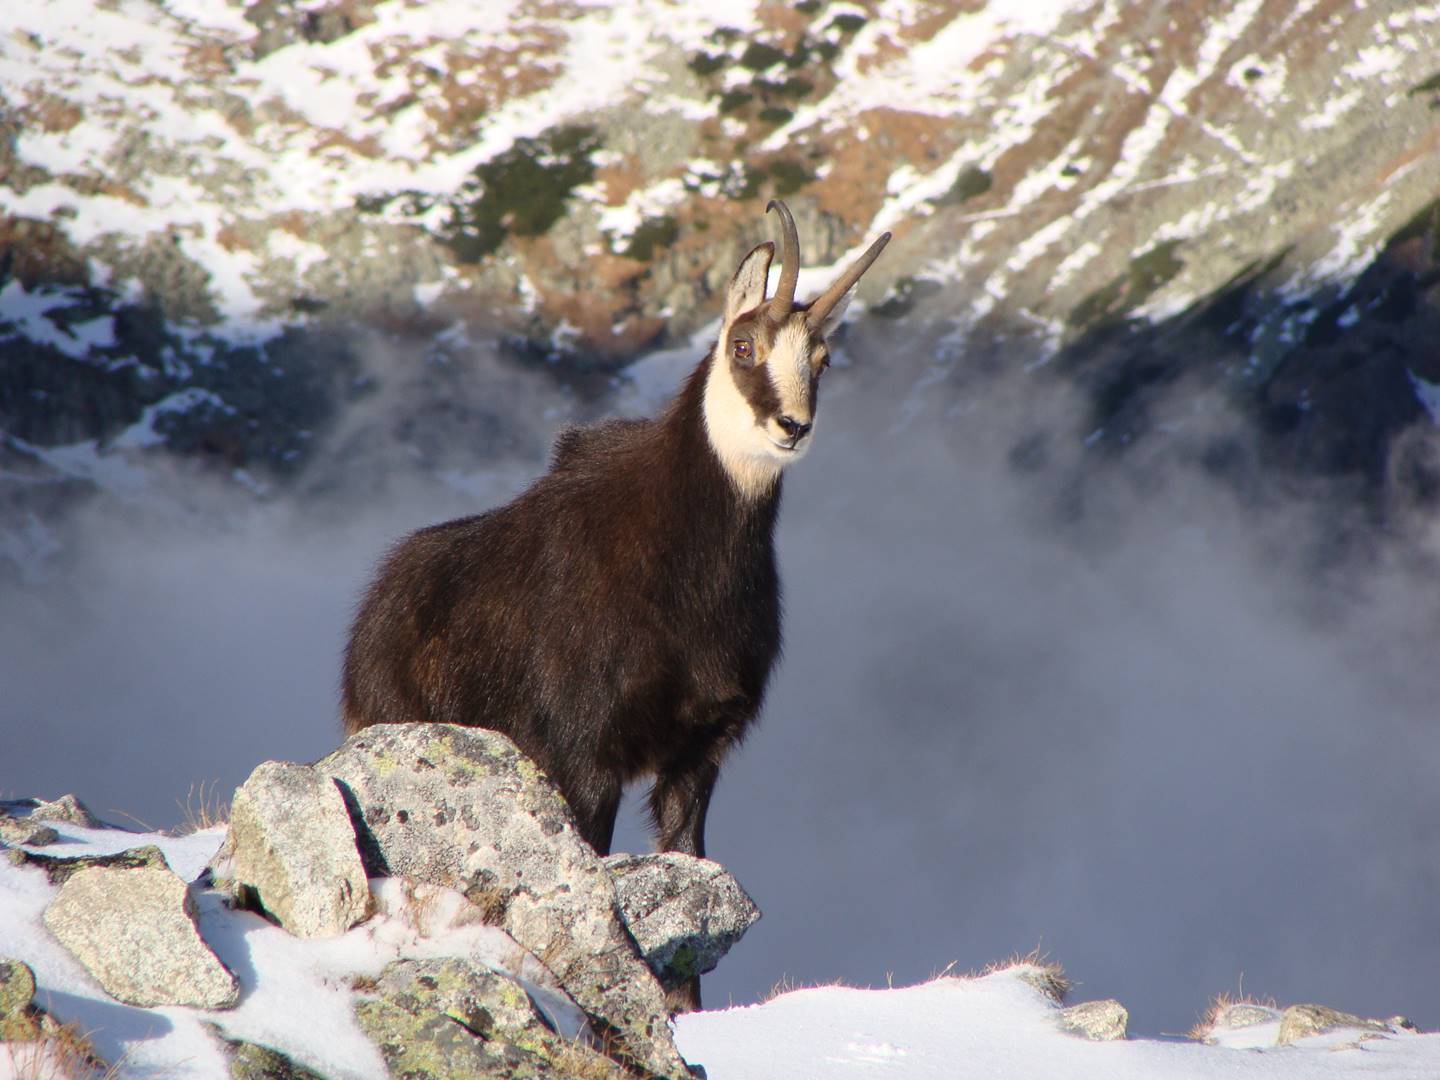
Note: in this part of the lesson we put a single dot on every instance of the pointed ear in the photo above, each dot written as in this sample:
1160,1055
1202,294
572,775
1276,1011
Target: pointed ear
747,287
835,315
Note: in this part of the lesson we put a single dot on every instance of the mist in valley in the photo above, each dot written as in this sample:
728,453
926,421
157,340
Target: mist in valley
1104,705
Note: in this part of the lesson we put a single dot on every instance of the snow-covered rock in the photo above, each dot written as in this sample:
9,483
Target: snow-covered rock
213,213
290,850
1302,1021
134,930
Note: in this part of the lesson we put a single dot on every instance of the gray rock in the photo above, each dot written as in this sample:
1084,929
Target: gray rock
19,1019
462,807
434,1019
134,930
68,809
18,830
1098,1021
684,912
1243,1014
59,869
290,851
1302,1021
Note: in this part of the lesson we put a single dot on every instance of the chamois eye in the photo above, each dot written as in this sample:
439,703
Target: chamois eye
741,349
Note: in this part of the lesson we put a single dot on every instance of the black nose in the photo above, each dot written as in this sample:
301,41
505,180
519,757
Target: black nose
793,428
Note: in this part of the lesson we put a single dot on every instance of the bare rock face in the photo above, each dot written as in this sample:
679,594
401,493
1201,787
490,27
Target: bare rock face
684,912
1302,1021
1244,1014
290,851
462,807
434,1019
21,830
1098,1021
134,930
67,809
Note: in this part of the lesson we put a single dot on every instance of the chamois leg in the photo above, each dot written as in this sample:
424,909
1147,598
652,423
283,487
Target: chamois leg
595,808
678,804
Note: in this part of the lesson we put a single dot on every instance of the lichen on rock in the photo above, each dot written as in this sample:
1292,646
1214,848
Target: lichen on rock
19,1019
434,1019
134,931
464,808
290,851
684,912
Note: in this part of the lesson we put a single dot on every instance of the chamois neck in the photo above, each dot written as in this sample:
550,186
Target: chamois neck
714,408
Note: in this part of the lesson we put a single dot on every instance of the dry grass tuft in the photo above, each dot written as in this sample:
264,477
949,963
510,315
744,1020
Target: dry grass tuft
787,985
1047,976
1222,1001
62,1052
575,1059
364,984
204,808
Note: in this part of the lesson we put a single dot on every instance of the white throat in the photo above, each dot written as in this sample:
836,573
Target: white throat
749,458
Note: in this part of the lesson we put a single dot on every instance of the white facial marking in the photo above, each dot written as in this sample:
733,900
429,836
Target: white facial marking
754,452
789,369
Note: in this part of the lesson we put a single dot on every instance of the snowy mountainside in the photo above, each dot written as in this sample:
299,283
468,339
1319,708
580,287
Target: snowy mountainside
235,233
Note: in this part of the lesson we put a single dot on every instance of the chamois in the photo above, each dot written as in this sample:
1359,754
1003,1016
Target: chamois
619,618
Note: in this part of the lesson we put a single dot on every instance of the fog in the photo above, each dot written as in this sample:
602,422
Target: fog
1104,706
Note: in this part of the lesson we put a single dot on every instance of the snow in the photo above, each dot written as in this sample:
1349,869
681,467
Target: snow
297,997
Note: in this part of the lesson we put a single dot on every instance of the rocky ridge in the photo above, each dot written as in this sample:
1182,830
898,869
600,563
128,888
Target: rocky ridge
254,235
490,843
451,1009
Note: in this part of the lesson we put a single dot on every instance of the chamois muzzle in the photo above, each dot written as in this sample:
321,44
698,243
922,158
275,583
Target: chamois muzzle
793,428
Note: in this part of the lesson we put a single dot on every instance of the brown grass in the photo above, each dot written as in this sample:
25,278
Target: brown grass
575,1059
204,808
1049,977
62,1052
787,985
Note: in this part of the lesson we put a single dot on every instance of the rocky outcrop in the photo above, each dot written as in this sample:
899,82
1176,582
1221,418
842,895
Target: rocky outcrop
1098,1021
134,930
1302,1021
67,809
462,807
22,830
684,912
290,852
1253,1024
438,1019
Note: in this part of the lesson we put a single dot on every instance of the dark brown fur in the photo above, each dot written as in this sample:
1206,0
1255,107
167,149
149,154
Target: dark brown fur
617,620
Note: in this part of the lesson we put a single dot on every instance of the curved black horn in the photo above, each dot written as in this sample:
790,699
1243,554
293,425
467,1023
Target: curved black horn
821,305
784,298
